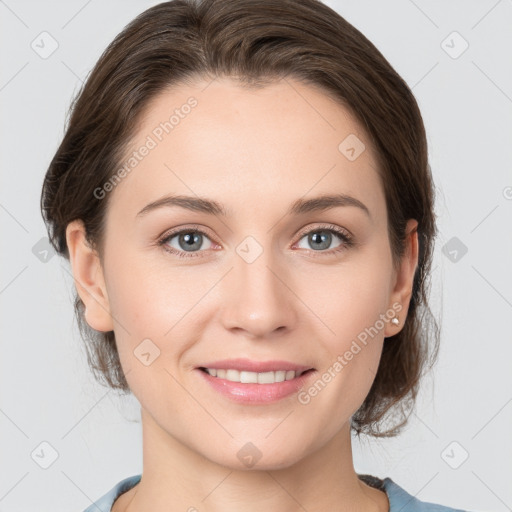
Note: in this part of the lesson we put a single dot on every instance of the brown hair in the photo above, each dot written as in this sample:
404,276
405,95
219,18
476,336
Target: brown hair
254,42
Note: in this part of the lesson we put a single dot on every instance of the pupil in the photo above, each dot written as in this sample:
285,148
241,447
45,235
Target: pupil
190,239
319,238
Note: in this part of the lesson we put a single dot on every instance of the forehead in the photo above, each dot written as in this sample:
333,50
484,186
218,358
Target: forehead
275,143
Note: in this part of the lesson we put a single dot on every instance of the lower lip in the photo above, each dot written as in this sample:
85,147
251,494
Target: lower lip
256,393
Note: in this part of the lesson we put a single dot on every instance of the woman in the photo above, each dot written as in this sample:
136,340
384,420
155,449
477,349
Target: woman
213,146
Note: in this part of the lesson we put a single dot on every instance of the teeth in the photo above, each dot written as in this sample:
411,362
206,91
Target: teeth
253,377
290,375
280,376
246,377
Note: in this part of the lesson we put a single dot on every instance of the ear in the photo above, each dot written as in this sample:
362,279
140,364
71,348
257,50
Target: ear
404,278
89,279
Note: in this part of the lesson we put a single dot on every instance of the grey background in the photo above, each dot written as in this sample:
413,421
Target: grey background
47,392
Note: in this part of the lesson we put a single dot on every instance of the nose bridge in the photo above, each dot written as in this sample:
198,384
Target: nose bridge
259,300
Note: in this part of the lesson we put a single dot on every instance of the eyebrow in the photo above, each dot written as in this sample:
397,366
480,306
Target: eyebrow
211,207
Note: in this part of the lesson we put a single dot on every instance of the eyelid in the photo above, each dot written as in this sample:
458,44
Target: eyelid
327,227
180,229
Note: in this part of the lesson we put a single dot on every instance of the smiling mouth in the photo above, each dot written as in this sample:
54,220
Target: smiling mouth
246,377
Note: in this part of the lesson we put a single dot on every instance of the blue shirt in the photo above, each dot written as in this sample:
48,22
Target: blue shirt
399,499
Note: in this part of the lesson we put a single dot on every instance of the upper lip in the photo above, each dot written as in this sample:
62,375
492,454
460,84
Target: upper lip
249,365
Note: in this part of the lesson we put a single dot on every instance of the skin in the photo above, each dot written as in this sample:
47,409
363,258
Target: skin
245,149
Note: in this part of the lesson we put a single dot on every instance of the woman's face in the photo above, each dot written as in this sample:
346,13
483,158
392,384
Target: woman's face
265,281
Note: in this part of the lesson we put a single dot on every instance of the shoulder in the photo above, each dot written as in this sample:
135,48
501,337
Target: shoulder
400,499
104,504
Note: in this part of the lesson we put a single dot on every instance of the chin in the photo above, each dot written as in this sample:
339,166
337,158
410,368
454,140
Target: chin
250,457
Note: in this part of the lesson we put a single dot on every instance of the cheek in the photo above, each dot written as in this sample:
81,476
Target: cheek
149,299
353,299
353,350
153,301
355,303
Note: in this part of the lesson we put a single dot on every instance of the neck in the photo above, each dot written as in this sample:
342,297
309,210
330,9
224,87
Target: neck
177,477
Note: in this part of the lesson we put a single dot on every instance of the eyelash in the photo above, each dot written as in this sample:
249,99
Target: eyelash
346,238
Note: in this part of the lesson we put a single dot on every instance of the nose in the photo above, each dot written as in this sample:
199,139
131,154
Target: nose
258,298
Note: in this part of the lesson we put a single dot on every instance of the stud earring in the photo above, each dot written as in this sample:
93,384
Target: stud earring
395,321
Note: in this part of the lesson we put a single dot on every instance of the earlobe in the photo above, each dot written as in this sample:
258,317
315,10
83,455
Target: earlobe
88,277
404,281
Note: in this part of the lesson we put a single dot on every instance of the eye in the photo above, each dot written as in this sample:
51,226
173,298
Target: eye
321,238
190,242
186,242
